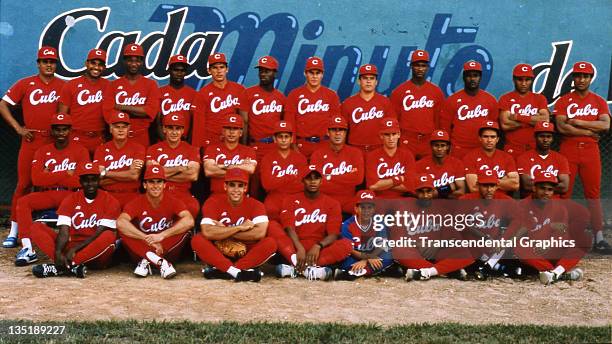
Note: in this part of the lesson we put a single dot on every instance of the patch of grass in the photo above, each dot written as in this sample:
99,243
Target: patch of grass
260,332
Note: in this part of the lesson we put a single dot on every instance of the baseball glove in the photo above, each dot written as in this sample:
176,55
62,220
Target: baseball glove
231,248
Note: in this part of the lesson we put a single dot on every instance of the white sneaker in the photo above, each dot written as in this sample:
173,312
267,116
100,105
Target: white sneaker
313,273
166,269
547,277
412,274
573,275
285,270
143,269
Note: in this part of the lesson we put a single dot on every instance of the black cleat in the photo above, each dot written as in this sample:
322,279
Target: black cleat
343,275
79,270
602,247
46,270
252,275
213,273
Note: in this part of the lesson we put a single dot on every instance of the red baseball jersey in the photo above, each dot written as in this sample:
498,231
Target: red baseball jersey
310,112
418,107
218,208
265,109
283,175
38,100
85,99
51,166
379,165
119,159
365,118
500,162
143,92
84,216
153,220
342,171
588,108
213,106
490,213
227,157
524,107
178,101
167,156
312,219
462,115
452,169
537,219
554,163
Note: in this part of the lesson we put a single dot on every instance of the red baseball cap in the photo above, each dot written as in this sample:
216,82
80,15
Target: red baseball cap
267,62
233,121
390,125
97,54
544,127
364,196
88,168
439,135
424,180
489,125
236,175
337,122
523,69
216,58
541,176
314,63
472,65
283,127
174,119
61,119
154,172
47,52
312,169
118,117
583,67
419,55
368,69
133,49
487,177
177,59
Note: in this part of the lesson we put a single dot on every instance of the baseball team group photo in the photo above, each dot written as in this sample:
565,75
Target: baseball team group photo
238,196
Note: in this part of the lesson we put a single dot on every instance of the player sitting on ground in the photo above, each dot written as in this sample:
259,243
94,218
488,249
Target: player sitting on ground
366,258
233,239
155,226
86,222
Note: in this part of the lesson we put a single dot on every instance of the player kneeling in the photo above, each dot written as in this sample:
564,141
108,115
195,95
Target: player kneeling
86,222
155,226
366,258
312,224
233,239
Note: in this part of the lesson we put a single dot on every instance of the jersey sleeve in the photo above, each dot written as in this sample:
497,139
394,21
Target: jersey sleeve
258,212
65,211
14,94
470,166
290,109
370,169
111,212
133,207
345,232
153,102
287,214
334,220
209,212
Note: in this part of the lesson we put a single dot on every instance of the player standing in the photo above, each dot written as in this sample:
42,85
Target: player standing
176,97
86,235
38,96
214,103
366,111
310,108
281,170
135,95
520,110
83,97
233,219
448,172
417,103
121,160
53,177
582,116
342,166
465,110
155,226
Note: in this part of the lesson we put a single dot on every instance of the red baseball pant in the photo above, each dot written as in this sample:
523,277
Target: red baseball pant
446,260
517,150
307,147
459,152
193,206
257,253
98,254
24,168
584,159
90,142
173,246
418,144
124,197
36,201
334,253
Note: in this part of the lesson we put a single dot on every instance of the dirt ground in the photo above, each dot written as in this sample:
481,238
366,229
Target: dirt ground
117,294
